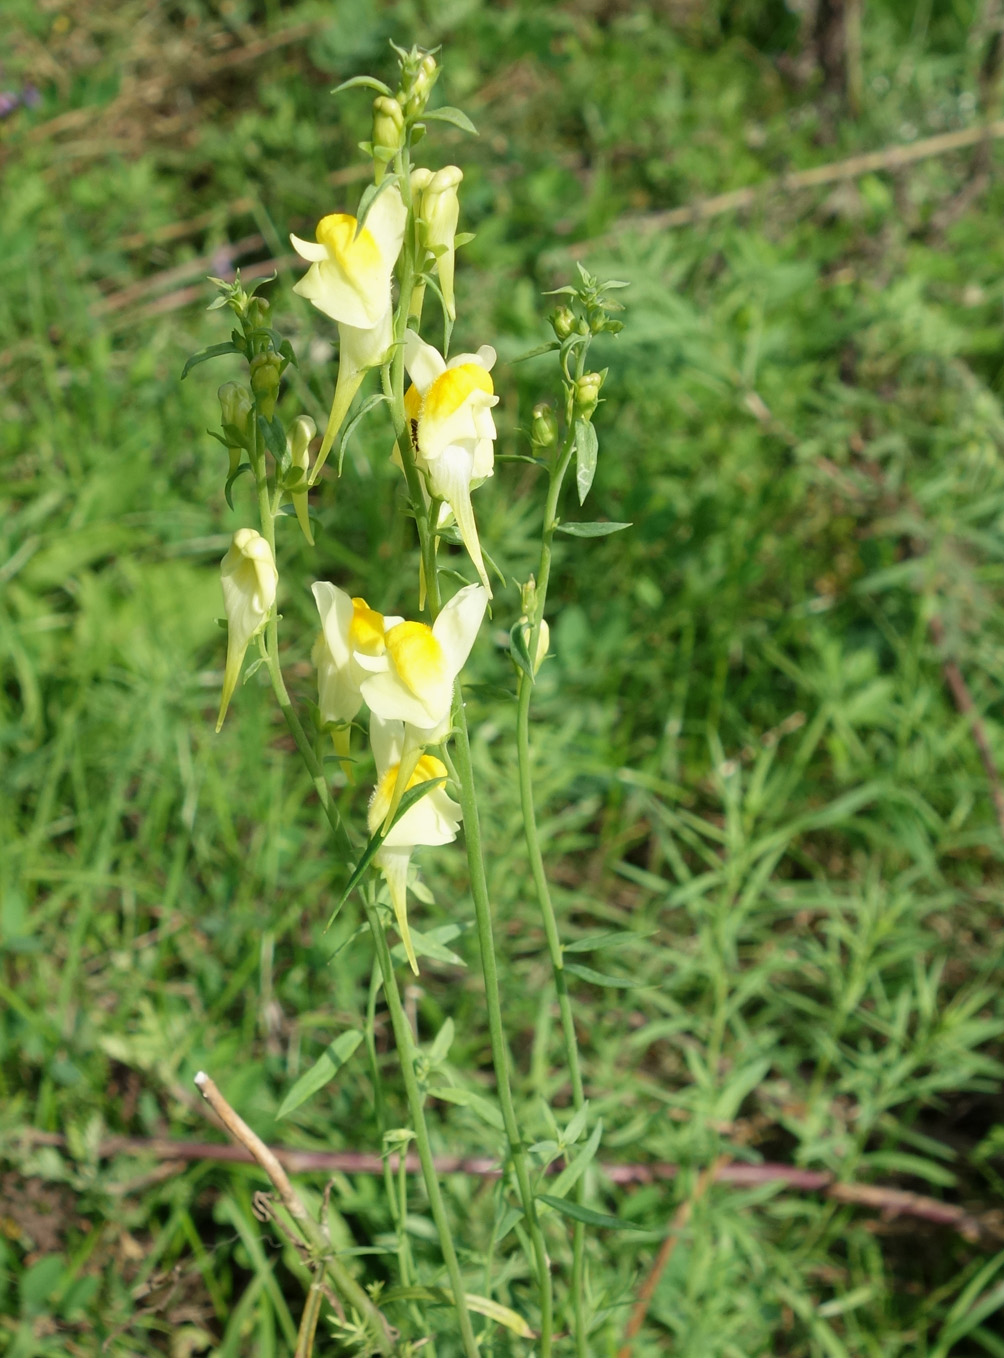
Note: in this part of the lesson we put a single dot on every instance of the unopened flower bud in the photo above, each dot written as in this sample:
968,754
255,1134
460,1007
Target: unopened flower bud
438,214
420,180
528,597
388,132
303,430
417,84
543,640
258,312
544,426
235,410
265,382
587,393
563,322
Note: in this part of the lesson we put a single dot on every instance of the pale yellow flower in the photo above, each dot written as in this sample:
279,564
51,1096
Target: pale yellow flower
434,818
350,629
412,679
349,280
449,409
249,580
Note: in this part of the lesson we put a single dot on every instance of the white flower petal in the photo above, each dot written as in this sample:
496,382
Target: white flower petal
424,363
393,863
387,739
388,697
457,625
434,819
335,608
311,250
450,480
386,221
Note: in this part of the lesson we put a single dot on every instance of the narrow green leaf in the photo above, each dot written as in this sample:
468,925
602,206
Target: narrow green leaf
591,530
427,947
369,197
586,450
536,352
576,1125
325,1068
482,1306
274,434
442,1043
519,651
369,404
600,979
228,488
366,82
455,116
576,1167
587,1215
477,1103
214,351
619,938
433,945
508,1218
234,437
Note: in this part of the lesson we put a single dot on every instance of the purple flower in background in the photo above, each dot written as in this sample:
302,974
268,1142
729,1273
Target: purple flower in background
11,100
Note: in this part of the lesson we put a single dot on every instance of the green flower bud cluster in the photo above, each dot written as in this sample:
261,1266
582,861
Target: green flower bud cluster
587,310
419,72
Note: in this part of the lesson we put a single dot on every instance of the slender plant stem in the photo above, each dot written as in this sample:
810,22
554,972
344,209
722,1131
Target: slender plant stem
406,1051
464,772
548,915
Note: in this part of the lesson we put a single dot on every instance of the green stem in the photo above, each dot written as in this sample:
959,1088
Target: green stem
406,1051
548,914
344,1281
464,773
416,490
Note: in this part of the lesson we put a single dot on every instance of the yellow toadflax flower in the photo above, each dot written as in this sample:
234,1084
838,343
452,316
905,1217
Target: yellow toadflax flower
249,579
412,679
434,819
449,410
349,279
350,628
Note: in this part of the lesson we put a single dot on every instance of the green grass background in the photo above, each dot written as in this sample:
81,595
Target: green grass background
749,757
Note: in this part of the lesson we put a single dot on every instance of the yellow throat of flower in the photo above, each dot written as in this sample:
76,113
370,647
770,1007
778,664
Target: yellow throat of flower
417,656
453,387
366,629
427,768
356,254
